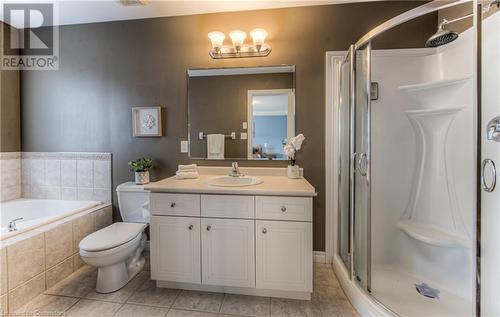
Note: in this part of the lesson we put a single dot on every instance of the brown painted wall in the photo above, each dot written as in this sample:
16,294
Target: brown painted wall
218,104
10,107
107,68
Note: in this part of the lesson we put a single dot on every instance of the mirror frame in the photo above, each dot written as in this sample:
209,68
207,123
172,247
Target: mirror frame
236,70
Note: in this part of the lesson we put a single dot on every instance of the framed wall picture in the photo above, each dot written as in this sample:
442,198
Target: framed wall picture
146,121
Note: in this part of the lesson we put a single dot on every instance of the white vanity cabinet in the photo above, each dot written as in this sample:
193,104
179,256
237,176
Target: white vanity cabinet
257,245
175,249
228,252
283,255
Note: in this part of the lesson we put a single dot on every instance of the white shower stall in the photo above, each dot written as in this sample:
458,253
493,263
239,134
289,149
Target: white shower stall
422,179
404,169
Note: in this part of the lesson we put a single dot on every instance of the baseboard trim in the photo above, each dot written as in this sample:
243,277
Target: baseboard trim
319,257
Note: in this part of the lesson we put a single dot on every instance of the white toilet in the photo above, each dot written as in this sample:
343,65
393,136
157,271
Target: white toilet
117,249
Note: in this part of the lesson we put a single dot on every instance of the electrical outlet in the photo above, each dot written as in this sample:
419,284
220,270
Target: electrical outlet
184,146
245,125
243,136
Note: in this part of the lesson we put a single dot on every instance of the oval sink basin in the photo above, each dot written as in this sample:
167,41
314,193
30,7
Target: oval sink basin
230,181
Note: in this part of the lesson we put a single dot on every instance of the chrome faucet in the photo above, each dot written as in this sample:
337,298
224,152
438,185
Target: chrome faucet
12,224
235,171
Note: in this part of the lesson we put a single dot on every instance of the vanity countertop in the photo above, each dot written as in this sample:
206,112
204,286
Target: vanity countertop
272,185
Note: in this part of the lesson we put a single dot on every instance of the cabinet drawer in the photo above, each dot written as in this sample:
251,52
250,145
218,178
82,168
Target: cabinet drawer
227,206
283,208
174,204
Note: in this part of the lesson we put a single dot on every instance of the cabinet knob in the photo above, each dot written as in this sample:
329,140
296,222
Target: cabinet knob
209,228
172,205
264,230
283,208
190,227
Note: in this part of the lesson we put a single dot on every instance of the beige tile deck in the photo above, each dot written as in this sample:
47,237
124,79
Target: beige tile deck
75,296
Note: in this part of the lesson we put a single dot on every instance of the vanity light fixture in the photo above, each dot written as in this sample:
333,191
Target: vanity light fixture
217,39
258,37
238,37
239,48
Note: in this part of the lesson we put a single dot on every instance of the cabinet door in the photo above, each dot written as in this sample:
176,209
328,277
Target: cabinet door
228,257
284,255
175,249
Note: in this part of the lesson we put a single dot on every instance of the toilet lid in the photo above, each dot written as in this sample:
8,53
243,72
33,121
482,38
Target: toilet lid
111,236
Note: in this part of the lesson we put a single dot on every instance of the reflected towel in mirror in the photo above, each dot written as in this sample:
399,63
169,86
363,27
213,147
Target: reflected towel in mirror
215,146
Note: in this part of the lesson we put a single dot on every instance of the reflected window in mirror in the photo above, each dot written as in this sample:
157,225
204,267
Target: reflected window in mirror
271,122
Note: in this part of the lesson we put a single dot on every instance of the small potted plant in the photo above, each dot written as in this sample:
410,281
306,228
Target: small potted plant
141,167
290,149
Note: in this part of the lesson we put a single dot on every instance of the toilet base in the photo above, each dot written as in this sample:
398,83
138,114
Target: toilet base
113,277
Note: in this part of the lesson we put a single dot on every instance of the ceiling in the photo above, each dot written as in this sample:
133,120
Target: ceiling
90,11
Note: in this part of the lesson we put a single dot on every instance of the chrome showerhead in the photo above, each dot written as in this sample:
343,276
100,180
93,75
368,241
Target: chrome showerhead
442,36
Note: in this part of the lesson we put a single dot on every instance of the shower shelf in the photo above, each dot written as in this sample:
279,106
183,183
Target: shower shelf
434,236
434,94
435,84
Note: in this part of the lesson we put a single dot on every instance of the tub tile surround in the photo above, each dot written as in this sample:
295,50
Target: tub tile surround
66,175
10,175
37,260
75,296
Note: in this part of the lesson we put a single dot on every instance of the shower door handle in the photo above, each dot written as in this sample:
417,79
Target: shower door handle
491,186
362,164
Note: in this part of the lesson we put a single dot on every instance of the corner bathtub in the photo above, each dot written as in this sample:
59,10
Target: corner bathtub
37,212
44,248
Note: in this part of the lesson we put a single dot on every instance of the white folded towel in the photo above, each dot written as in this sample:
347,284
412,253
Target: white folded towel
215,146
186,175
190,167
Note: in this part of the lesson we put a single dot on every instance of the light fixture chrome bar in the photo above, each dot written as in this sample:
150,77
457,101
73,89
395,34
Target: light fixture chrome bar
245,51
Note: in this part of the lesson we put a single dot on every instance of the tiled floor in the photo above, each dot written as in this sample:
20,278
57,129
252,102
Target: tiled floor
75,296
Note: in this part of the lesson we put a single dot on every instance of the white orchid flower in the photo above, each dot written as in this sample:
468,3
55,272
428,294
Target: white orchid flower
289,150
297,141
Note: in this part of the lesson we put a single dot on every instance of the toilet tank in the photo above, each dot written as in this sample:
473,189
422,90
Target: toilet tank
133,202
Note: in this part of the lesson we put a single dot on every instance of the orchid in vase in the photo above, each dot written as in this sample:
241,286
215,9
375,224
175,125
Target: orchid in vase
290,149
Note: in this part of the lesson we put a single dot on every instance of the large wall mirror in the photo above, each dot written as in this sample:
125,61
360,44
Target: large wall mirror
241,113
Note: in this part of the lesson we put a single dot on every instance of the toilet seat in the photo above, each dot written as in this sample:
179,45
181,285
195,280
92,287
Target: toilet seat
108,252
116,236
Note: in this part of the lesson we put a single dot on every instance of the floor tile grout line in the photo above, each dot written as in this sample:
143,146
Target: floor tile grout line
119,308
193,310
136,288
176,296
221,303
146,305
74,304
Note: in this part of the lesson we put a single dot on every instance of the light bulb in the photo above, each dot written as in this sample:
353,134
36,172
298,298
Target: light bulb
258,36
237,37
217,39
